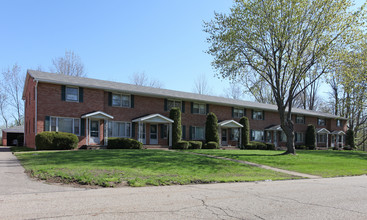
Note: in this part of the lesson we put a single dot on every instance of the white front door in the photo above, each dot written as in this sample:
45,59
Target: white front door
153,134
224,137
94,132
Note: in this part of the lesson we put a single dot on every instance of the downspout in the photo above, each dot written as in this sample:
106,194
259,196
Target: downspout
35,112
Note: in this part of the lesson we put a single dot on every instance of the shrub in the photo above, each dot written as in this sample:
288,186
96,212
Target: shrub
51,140
311,147
181,145
195,144
270,146
347,147
245,132
211,128
124,143
310,137
175,115
251,146
349,138
301,147
211,145
259,145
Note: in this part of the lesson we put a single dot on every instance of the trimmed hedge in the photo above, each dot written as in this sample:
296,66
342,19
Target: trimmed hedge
195,144
211,145
310,137
256,145
181,145
211,128
124,143
175,115
245,132
52,140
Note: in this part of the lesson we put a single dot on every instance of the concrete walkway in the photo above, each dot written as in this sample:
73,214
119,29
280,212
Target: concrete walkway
304,175
13,180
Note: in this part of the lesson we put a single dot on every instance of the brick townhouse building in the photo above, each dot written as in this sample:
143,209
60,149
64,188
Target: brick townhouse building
97,109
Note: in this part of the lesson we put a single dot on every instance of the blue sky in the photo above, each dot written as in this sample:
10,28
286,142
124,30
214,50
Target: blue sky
163,38
114,39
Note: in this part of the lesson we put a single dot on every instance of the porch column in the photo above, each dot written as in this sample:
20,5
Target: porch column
327,141
139,132
106,132
220,136
87,126
170,134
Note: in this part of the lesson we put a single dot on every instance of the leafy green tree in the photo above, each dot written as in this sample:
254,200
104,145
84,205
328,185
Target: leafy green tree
175,115
282,42
211,128
245,135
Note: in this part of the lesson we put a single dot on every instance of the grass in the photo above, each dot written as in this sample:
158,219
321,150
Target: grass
321,163
138,168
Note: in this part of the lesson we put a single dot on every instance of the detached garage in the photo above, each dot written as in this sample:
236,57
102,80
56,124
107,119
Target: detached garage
13,136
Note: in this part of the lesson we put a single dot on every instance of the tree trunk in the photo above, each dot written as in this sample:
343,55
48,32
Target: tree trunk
287,126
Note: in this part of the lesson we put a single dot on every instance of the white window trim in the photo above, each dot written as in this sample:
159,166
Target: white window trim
130,130
303,119
174,103
318,122
198,103
318,139
121,94
57,124
253,135
66,95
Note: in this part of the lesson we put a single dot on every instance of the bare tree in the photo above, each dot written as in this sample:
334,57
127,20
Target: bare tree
201,85
13,82
69,64
141,79
3,107
234,91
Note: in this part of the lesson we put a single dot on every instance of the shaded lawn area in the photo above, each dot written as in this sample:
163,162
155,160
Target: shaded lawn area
138,168
321,163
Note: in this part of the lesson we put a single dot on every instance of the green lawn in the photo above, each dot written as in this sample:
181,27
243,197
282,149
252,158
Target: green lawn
322,163
138,168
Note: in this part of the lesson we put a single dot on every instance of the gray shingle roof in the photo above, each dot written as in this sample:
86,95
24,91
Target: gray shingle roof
15,129
164,93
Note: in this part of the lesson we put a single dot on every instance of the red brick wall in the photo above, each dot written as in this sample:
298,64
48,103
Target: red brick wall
29,112
50,104
4,139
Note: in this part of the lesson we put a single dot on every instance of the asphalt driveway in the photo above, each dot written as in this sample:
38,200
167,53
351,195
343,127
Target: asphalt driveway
325,198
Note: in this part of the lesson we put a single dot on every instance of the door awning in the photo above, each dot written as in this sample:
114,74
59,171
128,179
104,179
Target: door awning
338,132
98,115
229,124
274,128
154,118
322,131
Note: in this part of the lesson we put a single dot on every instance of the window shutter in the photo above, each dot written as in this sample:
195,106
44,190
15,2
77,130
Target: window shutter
47,123
252,114
132,101
183,107
82,127
190,133
81,94
192,107
109,98
232,112
244,112
132,129
183,132
207,108
295,138
263,115
165,105
252,135
63,88
162,129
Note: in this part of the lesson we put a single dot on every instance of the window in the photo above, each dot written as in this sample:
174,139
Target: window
197,133
268,136
300,137
72,94
238,112
283,137
338,123
257,115
173,104
300,119
165,131
257,135
199,108
69,125
119,129
321,138
321,121
120,100
235,134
